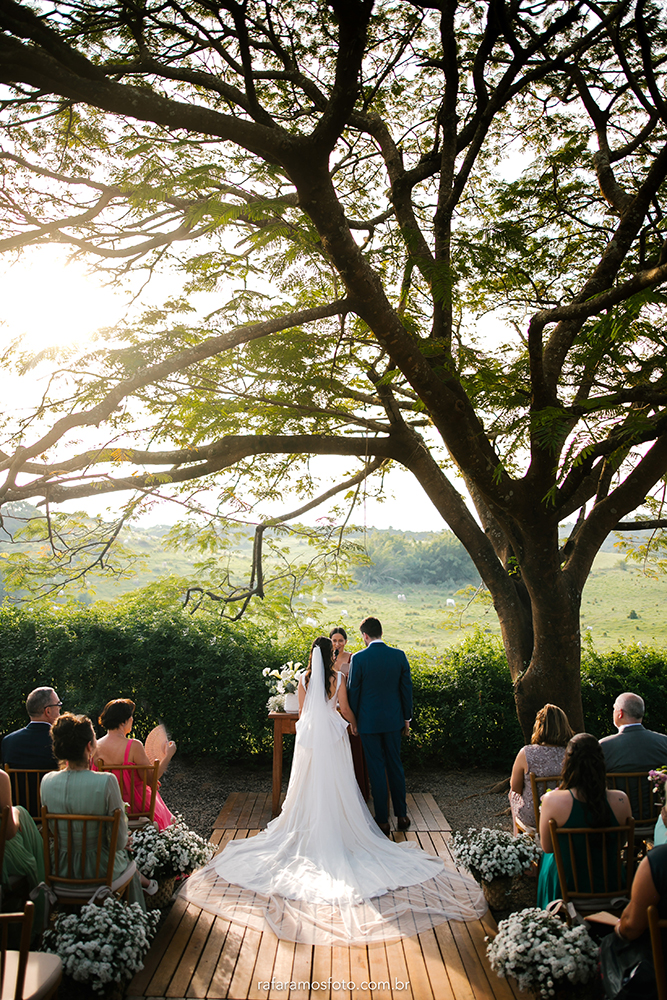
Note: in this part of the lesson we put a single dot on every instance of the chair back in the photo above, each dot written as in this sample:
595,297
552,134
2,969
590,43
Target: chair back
593,868
25,784
44,971
656,926
25,919
79,853
138,787
540,784
645,803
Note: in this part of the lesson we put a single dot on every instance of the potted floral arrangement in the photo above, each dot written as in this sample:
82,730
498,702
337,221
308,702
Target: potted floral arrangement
658,777
542,953
100,946
166,854
283,686
500,863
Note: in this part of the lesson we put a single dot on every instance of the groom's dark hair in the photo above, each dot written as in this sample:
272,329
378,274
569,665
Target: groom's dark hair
371,627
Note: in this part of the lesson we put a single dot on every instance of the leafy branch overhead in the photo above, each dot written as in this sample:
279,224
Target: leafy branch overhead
431,234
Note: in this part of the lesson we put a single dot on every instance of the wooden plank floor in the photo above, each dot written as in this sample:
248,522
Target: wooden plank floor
197,955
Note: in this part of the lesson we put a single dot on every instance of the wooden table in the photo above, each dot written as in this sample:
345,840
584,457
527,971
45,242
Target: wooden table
283,723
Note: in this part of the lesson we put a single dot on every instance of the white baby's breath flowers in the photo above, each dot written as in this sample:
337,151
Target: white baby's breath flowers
490,854
281,682
102,944
176,850
541,952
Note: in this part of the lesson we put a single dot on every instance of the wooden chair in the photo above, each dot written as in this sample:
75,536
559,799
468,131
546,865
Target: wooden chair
138,784
26,789
605,865
656,926
539,785
91,837
25,974
645,804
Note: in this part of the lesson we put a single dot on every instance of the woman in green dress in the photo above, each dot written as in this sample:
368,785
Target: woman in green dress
24,848
581,800
77,789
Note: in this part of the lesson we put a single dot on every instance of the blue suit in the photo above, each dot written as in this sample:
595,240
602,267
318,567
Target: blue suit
380,695
29,748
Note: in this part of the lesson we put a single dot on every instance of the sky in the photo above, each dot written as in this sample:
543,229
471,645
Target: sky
49,303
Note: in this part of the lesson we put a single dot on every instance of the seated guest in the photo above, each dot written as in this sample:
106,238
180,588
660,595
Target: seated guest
633,748
31,748
117,748
77,789
649,888
24,848
544,755
581,800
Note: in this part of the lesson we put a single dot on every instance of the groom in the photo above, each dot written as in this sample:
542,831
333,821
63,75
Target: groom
380,695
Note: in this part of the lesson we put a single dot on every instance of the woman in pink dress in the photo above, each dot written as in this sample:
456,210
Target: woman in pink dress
338,638
117,748
543,756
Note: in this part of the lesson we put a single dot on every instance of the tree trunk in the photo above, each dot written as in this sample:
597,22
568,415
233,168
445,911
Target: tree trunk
553,671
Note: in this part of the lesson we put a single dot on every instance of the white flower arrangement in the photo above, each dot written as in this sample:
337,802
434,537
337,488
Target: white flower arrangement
281,682
490,854
176,850
102,944
541,952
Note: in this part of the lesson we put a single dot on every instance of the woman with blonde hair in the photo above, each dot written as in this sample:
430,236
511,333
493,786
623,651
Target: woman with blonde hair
543,756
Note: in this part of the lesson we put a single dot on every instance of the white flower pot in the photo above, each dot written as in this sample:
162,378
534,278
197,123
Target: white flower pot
291,702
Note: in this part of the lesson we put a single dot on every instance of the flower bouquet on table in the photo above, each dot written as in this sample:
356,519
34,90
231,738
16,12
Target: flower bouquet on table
102,945
505,866
283,685
542,953
167,854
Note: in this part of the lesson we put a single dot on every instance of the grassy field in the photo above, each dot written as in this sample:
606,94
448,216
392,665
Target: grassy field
620,603
424,620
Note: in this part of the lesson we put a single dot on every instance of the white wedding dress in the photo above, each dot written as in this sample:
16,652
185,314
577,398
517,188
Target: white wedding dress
323,872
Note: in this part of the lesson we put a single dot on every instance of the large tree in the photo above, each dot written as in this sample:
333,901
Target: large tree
371,180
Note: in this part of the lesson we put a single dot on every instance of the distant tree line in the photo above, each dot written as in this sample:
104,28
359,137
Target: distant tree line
438,560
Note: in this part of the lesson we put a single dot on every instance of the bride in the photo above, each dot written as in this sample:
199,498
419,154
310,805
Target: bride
322,872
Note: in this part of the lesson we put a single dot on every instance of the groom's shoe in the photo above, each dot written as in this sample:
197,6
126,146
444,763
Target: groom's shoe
403,822
386,829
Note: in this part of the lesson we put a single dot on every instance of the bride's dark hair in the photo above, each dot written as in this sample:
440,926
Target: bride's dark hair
326,648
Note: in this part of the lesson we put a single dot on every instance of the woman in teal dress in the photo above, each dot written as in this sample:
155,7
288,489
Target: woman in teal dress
76,789
581,800
24,847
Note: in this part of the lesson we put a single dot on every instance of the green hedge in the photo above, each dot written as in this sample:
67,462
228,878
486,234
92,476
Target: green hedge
630,668
203,678
199,675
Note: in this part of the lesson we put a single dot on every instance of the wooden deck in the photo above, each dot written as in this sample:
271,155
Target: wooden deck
198,955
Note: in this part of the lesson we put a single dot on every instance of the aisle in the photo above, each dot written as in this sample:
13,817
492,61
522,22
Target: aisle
196,955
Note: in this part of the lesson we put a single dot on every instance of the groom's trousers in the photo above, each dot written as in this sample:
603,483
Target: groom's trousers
383,754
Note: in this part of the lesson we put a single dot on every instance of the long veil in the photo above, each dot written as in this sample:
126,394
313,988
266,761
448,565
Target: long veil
322,872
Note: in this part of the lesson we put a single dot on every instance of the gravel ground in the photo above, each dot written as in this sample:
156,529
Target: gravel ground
198,787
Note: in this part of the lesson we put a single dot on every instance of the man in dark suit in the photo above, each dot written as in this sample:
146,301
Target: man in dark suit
380,695
633,748
30,748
